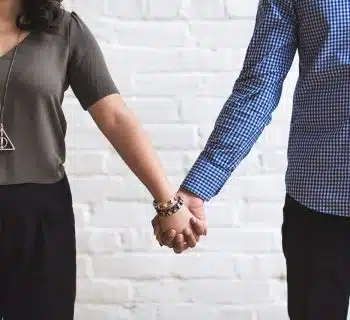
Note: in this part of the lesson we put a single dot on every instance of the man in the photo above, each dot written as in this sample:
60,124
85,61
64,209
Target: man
316,226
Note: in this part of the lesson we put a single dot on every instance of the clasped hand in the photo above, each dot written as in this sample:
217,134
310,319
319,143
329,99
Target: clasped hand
183,229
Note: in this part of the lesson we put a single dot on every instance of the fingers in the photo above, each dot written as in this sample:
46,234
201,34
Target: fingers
184,241
185,247
189,238
155,225
167,238
196,236
179,243
156,229
199,226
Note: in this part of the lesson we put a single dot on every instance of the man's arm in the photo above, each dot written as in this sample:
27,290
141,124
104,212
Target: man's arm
255,95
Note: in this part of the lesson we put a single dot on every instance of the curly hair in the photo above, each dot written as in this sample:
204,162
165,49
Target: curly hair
40,15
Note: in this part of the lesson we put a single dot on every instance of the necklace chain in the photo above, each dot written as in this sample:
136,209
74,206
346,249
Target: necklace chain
3,99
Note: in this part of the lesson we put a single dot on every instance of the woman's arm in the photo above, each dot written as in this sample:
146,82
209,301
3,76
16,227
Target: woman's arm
120,126
94,87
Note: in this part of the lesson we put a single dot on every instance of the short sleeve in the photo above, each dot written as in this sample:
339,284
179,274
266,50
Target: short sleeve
88,74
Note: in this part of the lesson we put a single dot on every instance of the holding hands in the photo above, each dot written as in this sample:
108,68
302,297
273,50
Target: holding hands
179,223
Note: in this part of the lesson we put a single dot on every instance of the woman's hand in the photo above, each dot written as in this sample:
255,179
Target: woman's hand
179,241
180,224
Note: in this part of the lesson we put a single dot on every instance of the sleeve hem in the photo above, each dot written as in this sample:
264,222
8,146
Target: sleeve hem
204,179
87,105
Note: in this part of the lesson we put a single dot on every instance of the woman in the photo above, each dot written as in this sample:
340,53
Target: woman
46,49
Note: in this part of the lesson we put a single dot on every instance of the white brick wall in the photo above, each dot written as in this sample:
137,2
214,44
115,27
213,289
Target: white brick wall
175,63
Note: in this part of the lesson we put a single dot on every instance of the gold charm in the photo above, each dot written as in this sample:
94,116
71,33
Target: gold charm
5,142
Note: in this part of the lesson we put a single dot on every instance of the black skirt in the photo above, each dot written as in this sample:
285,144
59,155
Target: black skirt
37,252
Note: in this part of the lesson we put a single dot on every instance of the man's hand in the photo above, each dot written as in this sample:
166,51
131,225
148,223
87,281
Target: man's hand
179,222
182,241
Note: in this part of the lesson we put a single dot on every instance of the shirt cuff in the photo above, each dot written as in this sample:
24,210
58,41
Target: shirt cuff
204,179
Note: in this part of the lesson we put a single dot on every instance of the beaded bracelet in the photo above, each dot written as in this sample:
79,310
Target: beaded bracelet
165,212
166,204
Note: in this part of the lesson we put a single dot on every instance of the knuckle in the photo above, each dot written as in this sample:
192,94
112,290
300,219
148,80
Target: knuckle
178,244
188,232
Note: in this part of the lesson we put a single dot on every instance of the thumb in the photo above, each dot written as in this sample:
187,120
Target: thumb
199,226
156,226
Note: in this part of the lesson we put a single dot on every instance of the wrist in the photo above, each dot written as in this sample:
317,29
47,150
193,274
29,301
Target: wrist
184,192
163,194
169,207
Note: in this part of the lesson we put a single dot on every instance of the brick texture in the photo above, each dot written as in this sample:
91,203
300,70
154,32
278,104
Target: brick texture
175,63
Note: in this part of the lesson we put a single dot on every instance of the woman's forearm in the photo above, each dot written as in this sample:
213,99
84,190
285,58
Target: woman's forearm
125,133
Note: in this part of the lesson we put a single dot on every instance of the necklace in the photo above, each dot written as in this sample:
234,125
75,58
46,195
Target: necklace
5,142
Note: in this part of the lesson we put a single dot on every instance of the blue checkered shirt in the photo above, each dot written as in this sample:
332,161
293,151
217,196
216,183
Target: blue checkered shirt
318,172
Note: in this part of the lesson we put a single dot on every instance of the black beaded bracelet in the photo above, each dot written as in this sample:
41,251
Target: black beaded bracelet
170,211
165,205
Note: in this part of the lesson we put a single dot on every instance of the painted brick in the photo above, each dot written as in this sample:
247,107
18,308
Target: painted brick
175,63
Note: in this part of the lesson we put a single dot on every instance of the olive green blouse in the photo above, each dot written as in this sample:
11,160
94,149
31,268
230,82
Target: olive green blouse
44,68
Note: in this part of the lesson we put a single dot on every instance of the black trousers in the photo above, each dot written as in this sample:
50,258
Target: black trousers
37,252
317,251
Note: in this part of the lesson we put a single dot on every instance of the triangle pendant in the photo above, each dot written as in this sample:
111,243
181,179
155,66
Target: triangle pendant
5,142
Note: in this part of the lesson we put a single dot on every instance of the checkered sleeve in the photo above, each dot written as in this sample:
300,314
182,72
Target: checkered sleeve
255,95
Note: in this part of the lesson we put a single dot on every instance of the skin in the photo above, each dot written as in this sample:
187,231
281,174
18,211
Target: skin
119,125
9,10
181,242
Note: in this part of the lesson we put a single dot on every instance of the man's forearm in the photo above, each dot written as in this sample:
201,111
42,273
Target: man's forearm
255,95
